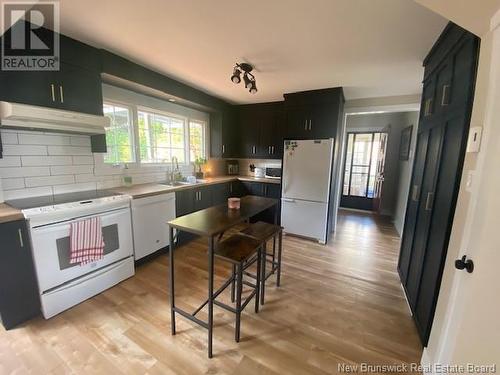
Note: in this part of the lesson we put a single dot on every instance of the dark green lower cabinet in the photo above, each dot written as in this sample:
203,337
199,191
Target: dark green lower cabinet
201,197
220,193
19,299
263,189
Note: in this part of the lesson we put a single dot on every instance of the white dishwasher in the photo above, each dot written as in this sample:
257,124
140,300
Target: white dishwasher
149,221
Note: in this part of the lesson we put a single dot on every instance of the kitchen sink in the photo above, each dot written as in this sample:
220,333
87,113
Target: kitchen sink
182,183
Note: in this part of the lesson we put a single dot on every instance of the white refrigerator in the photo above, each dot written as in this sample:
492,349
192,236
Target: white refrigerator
307,169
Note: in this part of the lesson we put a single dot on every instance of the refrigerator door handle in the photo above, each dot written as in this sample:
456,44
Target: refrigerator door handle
288,200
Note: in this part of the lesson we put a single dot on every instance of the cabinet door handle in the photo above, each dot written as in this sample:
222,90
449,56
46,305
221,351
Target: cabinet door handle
200,195
272,150
61,93
445,100
53,90
223,149
305,125
310,124
429,201
414,193
253,149
428,107
20,233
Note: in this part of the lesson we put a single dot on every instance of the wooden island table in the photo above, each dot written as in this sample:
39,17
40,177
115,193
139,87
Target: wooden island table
212,222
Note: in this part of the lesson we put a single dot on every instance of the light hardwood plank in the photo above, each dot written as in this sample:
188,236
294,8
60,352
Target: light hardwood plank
340,303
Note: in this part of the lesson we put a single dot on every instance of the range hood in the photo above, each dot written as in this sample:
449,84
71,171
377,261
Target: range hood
23,116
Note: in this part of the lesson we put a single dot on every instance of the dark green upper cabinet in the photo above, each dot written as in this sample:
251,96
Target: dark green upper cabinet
72,88
270,131
79,90
313,114
259,130
223,141
249,119
75,87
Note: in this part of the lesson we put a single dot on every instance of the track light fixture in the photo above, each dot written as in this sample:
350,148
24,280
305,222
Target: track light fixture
248,77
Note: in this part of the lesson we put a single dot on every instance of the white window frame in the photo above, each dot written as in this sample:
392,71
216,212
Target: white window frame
185,119
204,137
135,109
133,121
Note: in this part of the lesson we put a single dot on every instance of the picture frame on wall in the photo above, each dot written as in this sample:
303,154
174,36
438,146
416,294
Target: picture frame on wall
405,143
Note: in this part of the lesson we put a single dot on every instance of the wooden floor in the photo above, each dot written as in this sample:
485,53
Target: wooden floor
340,303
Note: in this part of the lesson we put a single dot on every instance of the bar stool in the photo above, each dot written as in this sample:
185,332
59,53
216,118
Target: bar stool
263,232
242,252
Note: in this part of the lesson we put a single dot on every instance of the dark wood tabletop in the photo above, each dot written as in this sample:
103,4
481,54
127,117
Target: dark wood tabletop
217,219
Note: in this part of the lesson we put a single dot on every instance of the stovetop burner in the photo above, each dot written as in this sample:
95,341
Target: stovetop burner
51,200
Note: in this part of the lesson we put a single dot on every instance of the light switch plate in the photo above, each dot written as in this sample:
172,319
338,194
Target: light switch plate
474,141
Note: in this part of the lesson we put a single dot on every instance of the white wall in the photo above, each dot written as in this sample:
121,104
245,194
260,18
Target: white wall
405,169
394,123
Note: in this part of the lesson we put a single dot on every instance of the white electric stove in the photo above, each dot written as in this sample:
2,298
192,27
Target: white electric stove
61,284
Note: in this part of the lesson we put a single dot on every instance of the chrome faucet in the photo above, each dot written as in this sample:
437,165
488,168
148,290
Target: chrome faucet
175,174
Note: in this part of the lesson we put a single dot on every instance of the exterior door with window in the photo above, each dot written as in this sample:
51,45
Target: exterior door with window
364,161
379,175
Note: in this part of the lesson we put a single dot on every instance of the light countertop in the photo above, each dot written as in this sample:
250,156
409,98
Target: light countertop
151,189
8,213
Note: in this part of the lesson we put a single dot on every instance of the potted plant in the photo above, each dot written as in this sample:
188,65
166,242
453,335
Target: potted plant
198,163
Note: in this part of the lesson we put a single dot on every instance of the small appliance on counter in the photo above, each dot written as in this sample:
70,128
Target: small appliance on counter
273,171
259,172
233,167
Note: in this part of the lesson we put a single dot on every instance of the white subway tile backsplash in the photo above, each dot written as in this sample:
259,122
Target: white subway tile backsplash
9,138
25,193
9,150
24,172
49,180
43,139
46,160
93,178
69,150
83,160
108,184
13,183
71,169
71,188
52,163
80,141
10,161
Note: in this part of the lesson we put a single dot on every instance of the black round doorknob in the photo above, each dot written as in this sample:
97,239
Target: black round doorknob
464,264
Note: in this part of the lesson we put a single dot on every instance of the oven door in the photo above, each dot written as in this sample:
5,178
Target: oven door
51,248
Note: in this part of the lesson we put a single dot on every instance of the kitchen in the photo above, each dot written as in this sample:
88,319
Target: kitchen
149,218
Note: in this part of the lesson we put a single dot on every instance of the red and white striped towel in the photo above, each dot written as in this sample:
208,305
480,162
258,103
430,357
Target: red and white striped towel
87,242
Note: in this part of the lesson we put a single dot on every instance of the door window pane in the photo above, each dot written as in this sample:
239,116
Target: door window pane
362,154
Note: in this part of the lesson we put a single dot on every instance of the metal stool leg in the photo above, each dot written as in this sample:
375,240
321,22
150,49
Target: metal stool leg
274,254
239,286
263,274
280,247
258,281
233,290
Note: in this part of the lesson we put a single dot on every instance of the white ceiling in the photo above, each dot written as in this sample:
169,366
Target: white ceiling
371,47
